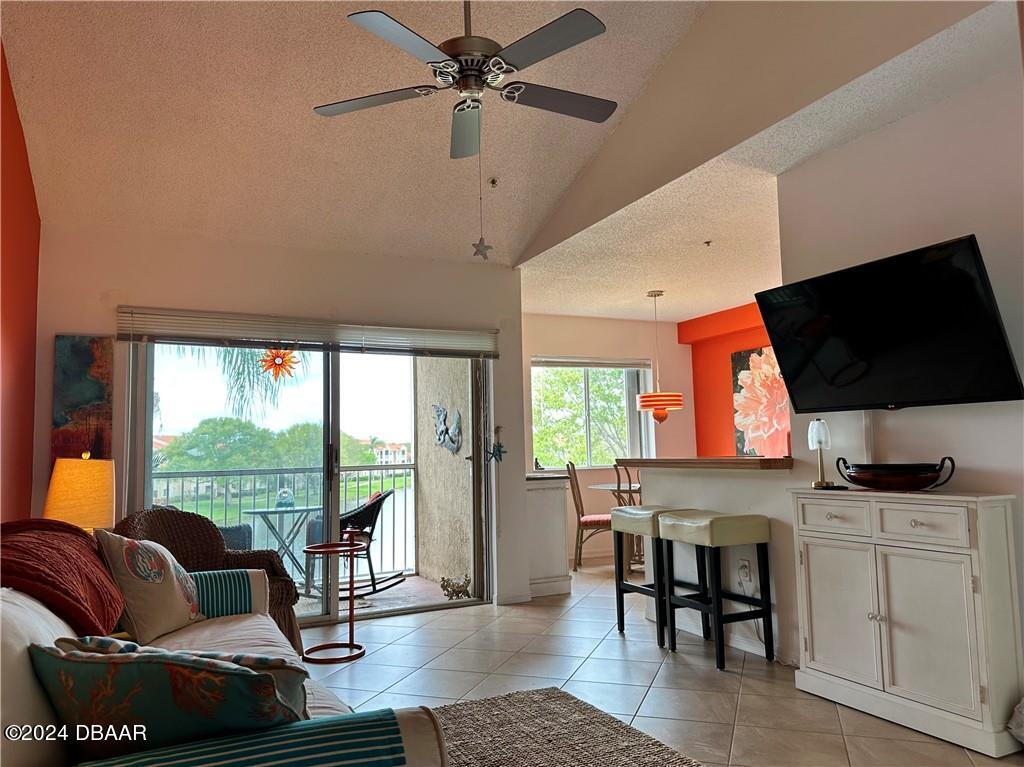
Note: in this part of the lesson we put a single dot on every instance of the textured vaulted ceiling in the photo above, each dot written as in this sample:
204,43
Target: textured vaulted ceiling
198,116
657,242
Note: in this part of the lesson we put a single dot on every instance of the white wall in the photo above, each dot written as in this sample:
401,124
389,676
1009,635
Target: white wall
84,274
561,336
950,170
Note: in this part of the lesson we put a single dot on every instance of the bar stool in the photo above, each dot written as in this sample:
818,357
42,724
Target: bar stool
638,520
710,532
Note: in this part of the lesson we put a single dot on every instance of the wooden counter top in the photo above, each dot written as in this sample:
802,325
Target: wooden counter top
739,462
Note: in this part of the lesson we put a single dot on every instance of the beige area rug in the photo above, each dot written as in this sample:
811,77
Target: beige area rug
546,728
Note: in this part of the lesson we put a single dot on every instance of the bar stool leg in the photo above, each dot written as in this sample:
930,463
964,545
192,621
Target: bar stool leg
668,588
617,547
716,606
764,579
659,601
702,584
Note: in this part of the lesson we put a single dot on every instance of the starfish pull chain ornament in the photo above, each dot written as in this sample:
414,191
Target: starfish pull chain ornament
480,248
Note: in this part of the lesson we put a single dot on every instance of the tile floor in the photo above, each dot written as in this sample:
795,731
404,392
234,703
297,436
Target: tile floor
414,592
750,714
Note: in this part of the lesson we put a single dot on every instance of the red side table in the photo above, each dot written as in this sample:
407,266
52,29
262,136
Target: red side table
346,548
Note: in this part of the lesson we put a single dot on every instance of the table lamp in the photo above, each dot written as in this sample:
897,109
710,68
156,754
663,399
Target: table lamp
818,438
81,492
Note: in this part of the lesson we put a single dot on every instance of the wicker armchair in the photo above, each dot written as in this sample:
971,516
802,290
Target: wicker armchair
197,543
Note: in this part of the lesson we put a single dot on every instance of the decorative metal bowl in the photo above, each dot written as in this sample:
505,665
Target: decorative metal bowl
903,477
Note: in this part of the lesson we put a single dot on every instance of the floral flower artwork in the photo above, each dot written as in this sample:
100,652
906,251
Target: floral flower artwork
279,362
760,404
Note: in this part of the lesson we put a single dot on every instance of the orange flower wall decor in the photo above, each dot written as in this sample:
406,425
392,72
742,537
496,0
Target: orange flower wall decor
279,362
760,403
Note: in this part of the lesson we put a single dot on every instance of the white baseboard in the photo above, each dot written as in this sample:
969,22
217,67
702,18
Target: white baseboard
556,584
512,599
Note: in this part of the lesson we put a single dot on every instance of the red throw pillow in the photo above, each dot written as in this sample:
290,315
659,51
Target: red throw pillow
59,565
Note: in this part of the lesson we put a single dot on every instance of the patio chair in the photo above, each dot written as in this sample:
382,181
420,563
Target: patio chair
198,544
363,520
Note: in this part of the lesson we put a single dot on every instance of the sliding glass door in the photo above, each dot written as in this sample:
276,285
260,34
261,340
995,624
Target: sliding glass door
281,449
233,442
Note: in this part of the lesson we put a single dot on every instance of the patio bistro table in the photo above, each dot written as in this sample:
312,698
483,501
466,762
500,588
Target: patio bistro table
274,520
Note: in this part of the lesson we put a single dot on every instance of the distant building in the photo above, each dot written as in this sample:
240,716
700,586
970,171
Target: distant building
391,453
160,441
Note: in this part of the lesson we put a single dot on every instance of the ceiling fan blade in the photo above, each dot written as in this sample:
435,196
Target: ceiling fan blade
563,102
561,34
376,100
466,129
399,35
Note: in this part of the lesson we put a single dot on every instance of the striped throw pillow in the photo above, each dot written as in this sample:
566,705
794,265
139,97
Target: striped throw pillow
366,739
232,592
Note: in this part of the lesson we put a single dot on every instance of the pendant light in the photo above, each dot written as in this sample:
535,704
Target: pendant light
658,402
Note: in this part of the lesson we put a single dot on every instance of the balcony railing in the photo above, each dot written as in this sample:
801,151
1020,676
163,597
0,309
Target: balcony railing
282,520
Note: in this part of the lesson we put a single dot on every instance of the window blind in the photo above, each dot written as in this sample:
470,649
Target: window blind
587,362
177,326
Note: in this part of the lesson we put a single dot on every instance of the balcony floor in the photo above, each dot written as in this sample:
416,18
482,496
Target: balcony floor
415,592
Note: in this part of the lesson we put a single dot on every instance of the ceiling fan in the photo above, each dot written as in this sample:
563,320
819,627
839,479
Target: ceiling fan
472,64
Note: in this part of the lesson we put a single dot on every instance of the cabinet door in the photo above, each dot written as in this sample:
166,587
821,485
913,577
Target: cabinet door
840,593
929,644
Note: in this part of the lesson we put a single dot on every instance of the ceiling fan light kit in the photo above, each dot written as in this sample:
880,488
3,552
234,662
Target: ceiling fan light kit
471,65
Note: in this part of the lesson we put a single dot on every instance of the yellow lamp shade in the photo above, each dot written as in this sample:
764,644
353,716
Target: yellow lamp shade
658,403
81,492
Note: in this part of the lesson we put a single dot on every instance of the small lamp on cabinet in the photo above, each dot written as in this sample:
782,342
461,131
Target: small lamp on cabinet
818,438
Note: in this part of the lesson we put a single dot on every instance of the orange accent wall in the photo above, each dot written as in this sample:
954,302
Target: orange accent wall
713,338
19,286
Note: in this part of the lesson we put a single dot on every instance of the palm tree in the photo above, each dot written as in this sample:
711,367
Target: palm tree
250,390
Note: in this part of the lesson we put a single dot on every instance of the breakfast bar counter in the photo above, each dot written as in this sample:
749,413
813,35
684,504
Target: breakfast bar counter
733,463
732,485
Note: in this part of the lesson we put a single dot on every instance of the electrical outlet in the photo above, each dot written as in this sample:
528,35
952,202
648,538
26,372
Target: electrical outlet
744,570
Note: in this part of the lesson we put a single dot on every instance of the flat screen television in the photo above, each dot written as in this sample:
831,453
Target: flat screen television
920,328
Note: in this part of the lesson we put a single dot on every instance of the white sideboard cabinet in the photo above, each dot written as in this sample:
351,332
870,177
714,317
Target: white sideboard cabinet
908,609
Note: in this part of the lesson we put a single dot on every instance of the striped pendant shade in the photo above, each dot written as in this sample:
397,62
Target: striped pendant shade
658,402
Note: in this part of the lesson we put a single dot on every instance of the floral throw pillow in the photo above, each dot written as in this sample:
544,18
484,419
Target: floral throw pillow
159,595
172,697
289,677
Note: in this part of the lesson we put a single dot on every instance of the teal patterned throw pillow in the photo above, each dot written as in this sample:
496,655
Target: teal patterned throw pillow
176,696
289,677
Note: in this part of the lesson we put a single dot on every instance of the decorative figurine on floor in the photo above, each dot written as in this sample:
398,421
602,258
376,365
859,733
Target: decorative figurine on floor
454,589
448,437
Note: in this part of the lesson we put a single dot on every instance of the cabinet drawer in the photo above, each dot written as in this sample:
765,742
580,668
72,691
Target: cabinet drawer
946,525
834,516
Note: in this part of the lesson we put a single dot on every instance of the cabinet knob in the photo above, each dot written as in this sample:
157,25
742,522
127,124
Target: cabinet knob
879,618
872,616
830,516
916,523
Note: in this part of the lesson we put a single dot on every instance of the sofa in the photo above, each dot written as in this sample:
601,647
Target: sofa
26,620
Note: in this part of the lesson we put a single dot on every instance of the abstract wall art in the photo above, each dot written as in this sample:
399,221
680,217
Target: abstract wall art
83,397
